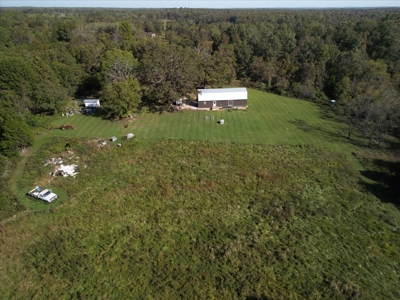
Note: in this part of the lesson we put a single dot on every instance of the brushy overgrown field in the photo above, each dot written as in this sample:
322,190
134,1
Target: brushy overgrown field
201,220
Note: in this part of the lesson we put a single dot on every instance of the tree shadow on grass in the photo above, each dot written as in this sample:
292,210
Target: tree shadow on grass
328,135
384,174
386,177
394,144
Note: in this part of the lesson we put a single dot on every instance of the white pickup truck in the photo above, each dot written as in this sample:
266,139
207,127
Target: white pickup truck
43,194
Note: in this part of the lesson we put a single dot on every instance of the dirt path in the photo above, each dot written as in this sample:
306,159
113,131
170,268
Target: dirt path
18,173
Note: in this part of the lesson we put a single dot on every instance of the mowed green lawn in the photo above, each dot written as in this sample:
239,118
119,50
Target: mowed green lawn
269,119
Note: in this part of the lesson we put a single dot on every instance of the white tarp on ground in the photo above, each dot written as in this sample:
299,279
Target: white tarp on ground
65,170
61,169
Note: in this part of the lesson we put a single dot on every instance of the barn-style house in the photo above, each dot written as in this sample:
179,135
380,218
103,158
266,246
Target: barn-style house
222,98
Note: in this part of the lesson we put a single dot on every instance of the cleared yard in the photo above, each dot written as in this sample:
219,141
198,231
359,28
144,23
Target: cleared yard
270,119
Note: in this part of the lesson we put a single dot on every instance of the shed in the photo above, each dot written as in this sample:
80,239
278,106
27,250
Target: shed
113,139
129,136
228,98
91,102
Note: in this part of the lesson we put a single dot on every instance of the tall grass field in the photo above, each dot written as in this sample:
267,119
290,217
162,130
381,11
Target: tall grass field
268,205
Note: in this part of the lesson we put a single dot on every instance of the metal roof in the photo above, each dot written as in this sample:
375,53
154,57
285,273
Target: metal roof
222,94
91,101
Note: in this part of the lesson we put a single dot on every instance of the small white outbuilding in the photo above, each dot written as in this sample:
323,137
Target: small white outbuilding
91,103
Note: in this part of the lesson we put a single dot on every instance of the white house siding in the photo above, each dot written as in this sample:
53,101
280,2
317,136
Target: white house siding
228,97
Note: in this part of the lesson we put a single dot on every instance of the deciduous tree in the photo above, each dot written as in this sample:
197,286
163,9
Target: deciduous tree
118,65
121,97
15,134
169,72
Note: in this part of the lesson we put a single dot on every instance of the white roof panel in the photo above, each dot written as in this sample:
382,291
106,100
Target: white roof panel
222,94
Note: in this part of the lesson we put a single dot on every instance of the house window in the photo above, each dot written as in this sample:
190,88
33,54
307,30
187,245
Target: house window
230,103
205,102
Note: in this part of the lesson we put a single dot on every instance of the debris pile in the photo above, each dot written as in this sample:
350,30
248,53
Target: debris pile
53,161
65,171
67,126
129,136
61,169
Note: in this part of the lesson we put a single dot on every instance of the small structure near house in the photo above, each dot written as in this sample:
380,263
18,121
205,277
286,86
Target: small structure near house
332,102
129,136
91,103
222,98
113,139
221,121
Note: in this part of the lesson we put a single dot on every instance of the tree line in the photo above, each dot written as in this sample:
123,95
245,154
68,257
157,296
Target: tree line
49,56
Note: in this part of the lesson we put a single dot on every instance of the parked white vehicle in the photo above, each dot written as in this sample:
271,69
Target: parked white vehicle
43,194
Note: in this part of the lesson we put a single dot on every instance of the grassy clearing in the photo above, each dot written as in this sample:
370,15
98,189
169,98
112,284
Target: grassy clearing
270,119
202,220
266,206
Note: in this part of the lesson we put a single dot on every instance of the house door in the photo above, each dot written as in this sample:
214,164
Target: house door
214,103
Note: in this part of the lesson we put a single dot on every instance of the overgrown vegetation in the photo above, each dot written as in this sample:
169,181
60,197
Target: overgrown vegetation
266,206
205,220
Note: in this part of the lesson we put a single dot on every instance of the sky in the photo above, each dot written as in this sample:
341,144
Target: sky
202,3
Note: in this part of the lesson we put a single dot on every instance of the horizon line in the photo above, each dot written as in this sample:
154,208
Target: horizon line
310,7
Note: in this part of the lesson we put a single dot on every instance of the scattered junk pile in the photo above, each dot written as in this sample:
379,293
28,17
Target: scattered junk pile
102,143
67,126
72,111
70,168
65,171
129,136
62,169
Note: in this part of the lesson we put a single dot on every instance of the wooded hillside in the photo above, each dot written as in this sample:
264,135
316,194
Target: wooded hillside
50,56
